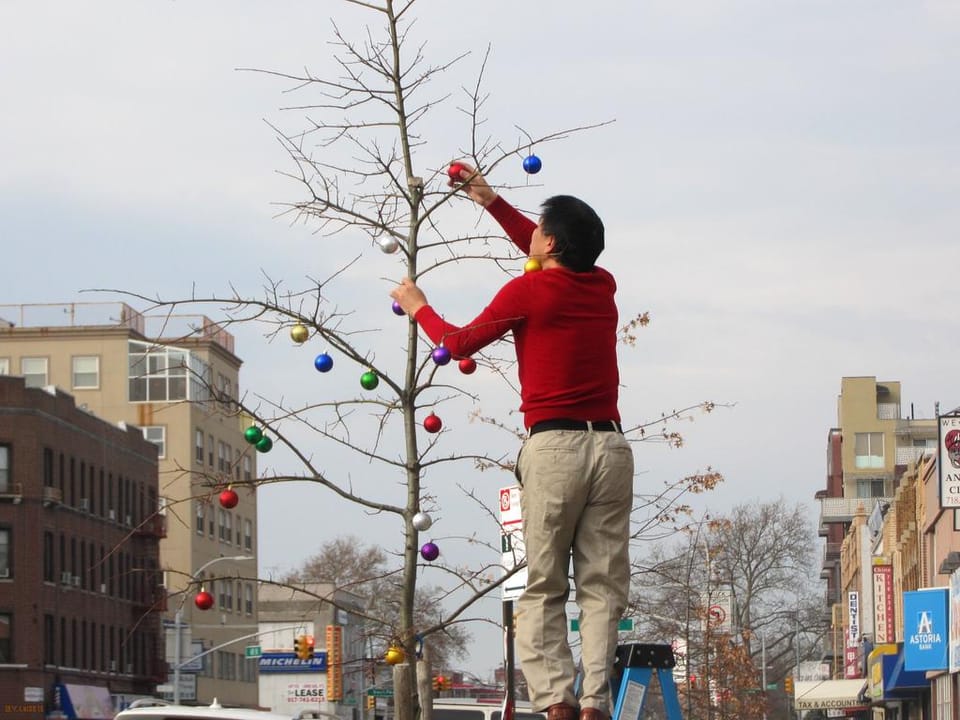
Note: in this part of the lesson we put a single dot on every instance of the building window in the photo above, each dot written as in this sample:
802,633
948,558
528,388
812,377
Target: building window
158,373
157,434
222,524
198,449
34,371
248,535
248,599
6,571
247,468
228,528
200,519
6,638
870,487
86,372
868,448
210,449
5,469
4,366
222,457
211,523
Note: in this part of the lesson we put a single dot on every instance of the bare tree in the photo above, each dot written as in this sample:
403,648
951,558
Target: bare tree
369,183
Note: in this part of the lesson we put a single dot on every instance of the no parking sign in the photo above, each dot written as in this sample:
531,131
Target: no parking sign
512,552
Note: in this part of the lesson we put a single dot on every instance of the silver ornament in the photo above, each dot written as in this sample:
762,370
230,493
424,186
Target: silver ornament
422,521
389,245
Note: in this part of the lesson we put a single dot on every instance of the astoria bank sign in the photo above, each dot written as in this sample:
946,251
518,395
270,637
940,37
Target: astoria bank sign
948,459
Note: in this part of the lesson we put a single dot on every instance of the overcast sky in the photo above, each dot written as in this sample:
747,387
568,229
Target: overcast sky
779,185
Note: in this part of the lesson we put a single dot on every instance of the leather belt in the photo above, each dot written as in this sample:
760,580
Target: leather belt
564,424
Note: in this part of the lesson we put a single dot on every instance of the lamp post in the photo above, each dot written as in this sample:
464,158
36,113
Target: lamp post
178,623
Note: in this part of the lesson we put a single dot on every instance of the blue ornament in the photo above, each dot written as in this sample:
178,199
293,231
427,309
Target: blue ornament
440,355
532,164
397,310
323,362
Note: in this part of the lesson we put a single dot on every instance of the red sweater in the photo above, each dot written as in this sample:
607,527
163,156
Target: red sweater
565,332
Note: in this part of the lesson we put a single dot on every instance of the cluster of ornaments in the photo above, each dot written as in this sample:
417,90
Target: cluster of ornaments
255,437
429,551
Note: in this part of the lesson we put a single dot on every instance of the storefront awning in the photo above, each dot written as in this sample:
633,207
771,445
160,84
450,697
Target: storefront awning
829,694
901,681
86,702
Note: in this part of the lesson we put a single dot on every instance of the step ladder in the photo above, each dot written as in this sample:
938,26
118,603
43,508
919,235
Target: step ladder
633,670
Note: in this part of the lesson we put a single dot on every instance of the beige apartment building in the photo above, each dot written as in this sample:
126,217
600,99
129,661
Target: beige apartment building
173,377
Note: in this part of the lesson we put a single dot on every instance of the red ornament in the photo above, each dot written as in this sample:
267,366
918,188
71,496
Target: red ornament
203,600
467,366
432,423
454,171
229,498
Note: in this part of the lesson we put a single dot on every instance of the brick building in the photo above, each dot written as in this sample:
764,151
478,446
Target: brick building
80,586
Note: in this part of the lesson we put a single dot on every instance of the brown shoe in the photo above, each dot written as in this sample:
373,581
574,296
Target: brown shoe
561,711
589,713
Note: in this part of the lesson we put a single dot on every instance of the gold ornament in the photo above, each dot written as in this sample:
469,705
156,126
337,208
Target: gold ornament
299,333
531,265
395,655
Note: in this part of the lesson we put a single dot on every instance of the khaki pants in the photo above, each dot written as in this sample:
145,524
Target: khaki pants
577,496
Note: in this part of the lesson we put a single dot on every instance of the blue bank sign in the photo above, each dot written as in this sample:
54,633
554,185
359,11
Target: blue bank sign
290,663
926,629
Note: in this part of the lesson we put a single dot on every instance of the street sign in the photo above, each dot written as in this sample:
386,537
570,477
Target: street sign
380,692
252,651
625,625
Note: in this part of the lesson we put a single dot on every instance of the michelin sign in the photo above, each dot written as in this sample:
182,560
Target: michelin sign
926,629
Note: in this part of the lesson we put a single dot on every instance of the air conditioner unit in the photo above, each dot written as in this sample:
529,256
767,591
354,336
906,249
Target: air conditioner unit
84,504
128,520
4,572
103,588
129,668
112,514
76,581
113,666
66,578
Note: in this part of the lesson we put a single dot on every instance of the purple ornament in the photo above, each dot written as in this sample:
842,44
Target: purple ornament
397,310
430,551
440,355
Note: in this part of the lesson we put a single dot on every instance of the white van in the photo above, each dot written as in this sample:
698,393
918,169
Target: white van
149,709
453,709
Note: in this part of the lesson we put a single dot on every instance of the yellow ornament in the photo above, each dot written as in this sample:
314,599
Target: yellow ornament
531,265
299,333
395,655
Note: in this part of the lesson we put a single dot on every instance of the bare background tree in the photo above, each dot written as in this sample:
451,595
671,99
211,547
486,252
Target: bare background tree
763,554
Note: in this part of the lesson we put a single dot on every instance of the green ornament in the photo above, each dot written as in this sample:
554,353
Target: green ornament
369,380
264,444
252,434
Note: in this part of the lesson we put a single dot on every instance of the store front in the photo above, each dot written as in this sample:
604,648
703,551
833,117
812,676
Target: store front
846,695
896,693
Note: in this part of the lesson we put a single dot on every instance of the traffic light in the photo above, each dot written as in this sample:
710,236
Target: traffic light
303,647
788,684
371,702
438,681
446,682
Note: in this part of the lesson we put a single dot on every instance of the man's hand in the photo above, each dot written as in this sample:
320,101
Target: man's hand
410,297
474,185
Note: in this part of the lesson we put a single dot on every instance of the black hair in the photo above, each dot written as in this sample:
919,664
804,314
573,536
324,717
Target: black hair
577,231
